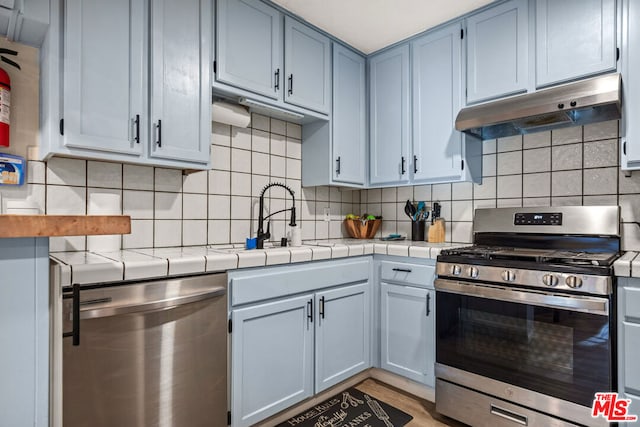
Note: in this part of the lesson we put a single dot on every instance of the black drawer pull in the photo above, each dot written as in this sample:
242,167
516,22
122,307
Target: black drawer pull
310,310
428,304
322,308
402,270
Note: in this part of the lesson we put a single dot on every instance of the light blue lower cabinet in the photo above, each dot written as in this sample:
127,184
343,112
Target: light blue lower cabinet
272,358
408,332
343,334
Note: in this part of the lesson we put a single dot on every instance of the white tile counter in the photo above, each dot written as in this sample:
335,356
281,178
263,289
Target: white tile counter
139,264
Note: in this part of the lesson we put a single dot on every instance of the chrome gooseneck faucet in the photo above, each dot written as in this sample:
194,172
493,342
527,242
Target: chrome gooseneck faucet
262,235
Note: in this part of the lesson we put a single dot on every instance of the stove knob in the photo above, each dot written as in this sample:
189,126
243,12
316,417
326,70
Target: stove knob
574,282
456,270
508,276
472,272
549,280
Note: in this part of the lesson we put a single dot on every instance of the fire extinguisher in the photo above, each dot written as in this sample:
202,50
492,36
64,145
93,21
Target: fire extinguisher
5,97
5,107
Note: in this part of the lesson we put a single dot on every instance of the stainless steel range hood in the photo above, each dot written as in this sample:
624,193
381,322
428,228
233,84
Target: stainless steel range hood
586,101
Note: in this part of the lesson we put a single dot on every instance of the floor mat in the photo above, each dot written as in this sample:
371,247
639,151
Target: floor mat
351,408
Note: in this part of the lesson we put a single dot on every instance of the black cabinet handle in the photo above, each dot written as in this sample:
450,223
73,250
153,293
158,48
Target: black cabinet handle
136,122
276,86
560,106
159,141
75,312
402,168
573,103
402,270
415,164
322,308
428,304
338,166
310,310
290,84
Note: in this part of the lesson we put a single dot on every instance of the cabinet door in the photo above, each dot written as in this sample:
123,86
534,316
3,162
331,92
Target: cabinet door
389,116
249,50
631,339
180,79
436,78
343,329
271,358
105,75
349,116
629,125
408,332
574,39
497,51
307,61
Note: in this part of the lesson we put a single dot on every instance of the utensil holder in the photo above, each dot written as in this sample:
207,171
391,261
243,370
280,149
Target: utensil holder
417,231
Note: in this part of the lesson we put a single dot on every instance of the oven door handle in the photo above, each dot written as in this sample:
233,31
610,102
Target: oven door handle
584,304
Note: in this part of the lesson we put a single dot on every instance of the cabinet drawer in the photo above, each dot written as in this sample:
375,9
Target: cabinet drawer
632,302
268,283
402,272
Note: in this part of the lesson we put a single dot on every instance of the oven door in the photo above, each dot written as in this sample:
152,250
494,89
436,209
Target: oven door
550,343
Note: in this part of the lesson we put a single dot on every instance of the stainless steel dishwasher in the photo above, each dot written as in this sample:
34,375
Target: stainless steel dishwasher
146,354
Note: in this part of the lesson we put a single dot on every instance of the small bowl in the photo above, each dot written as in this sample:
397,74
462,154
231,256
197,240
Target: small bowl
359,230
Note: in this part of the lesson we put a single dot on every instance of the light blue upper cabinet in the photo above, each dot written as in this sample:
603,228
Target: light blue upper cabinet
498,51
249,50
574,39
389,116
105,76
349,116
180,79
343,334
437,78
307,62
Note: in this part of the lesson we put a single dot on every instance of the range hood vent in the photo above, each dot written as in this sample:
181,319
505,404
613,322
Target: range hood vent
573,104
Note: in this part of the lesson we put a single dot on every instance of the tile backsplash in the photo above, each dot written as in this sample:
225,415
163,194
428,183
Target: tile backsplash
573,166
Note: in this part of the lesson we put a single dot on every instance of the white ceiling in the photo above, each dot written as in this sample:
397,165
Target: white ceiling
370,25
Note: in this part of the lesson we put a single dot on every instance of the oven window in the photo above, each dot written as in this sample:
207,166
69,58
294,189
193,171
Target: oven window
560,353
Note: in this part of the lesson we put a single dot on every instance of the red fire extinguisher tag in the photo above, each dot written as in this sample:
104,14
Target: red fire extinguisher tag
5,105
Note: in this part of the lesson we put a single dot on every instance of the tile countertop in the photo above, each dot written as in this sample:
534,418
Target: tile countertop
139,264
628,265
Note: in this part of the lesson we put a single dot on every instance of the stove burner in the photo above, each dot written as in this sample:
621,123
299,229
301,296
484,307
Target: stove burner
545,256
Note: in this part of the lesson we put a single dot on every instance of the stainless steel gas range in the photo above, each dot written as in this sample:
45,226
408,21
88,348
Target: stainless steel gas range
525,325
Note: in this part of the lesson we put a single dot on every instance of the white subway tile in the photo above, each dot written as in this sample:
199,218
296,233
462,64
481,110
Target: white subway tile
604,200
194,232
601,181
630,237
221,134
141,235
509,186
489,146
278,126
566,201
168,206
194,206
537,139
278,166
441,192
167,233
240,160
195,182
536,184
220,158
486,190
510,163
567,183
422,192
219,182
602,130
67,244
278,145
462,210
294,168
294,148
63,171
218,232
137,204
489,165
462,191
566,157
629,184
169,180
322,230
601,153
260,163
137,177
219,207
566,135
537,160
630,205
62,200
240,230
240,184
104,174
241,208
241,138
260,141
36,172
258,121
294,130
536,201
104,201
462,232
510,143
405,193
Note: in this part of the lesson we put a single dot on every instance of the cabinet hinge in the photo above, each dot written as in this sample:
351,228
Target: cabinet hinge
624,148
61,126
230,326
617,54
462,164
228,418
462,33
215,67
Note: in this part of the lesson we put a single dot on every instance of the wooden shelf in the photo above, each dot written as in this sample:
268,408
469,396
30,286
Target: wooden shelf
63,225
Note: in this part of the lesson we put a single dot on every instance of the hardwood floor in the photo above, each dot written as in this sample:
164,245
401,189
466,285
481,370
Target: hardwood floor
423,412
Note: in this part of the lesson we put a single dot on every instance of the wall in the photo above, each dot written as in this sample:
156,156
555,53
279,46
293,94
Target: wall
571,166
219,206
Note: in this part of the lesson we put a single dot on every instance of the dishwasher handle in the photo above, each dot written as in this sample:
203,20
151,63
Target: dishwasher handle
75,331
156,305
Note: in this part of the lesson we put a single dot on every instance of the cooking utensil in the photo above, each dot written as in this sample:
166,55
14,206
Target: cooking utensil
435,212
410,210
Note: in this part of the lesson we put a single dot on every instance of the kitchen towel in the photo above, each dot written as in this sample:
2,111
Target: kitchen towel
350,408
